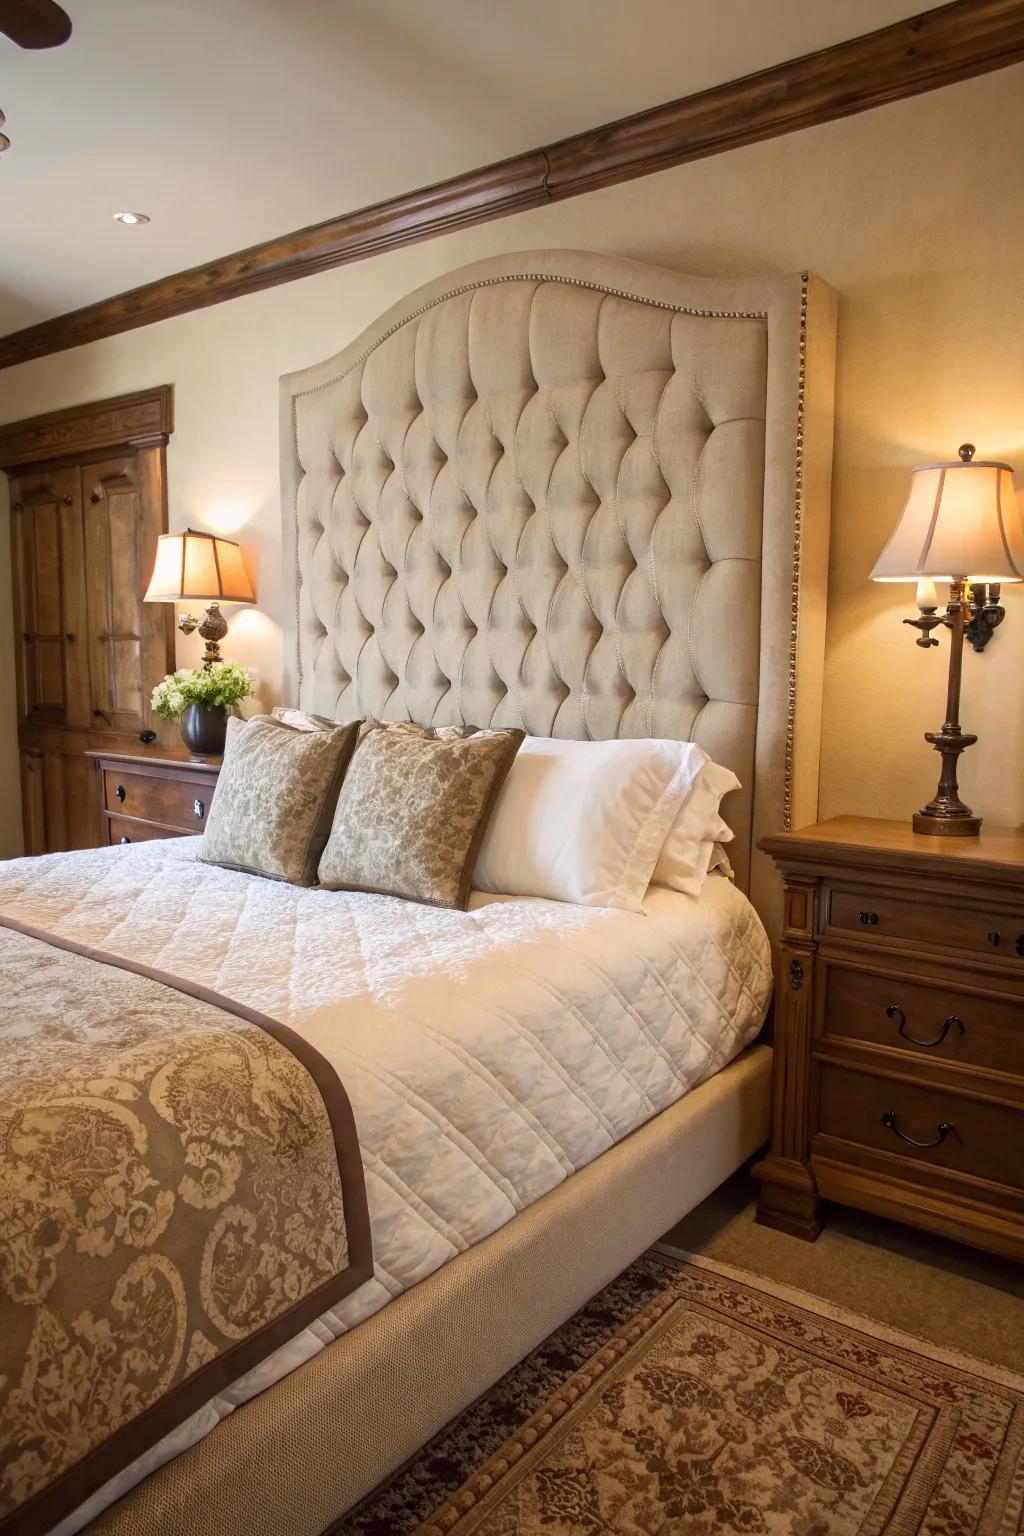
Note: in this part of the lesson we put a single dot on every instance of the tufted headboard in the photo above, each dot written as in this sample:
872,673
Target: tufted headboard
580,495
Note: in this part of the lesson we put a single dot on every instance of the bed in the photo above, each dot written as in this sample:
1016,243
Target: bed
586,497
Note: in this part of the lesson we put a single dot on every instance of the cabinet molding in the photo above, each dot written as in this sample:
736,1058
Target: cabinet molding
141,420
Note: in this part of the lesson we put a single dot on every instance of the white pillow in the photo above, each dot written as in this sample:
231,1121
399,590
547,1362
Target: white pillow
689,847
585,821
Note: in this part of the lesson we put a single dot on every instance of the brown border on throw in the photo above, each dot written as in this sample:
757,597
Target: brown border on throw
80,1481
939,47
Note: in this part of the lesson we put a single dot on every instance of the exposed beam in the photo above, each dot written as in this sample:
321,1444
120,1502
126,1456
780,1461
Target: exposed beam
939,47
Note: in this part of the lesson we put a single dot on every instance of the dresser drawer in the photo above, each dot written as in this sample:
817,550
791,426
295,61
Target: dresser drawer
928,1020
875,916
889,1115
181,803
122,829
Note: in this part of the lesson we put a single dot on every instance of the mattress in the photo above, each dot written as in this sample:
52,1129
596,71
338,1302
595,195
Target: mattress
488,1055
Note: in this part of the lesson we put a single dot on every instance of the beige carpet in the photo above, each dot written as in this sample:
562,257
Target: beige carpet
725,1405
956,1297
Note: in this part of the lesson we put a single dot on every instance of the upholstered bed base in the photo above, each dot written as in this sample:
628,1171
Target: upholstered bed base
296,1457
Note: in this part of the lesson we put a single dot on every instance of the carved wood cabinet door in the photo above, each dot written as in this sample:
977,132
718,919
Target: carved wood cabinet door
88,650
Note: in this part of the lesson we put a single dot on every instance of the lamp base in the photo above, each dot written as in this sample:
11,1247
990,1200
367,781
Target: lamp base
212,628
946,826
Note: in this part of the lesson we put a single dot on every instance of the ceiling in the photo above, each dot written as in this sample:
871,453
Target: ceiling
231,121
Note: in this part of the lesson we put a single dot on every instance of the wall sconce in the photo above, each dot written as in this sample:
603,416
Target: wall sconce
960,517
200,567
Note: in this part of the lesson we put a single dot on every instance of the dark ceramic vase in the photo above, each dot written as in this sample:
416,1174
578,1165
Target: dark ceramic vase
203,728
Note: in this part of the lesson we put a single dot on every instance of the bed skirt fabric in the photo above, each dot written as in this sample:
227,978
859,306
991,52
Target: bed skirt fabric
181,1190
297,1456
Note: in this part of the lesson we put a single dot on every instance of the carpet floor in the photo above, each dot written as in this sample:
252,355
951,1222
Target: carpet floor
699,1397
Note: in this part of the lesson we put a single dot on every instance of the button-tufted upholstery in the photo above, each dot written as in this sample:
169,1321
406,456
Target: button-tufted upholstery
533,495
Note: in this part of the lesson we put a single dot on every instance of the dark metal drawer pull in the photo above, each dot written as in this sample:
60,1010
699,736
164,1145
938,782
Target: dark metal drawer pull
1020,944
120,791
125,839
889,1121
994,937
869,919
198,809
894,1011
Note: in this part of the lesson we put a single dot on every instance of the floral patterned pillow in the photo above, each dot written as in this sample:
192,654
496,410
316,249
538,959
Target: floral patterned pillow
275,798
413,810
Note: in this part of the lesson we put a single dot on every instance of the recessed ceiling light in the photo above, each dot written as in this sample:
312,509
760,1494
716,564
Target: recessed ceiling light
132,218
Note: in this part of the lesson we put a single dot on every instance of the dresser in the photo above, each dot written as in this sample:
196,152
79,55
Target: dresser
147,797
898,1080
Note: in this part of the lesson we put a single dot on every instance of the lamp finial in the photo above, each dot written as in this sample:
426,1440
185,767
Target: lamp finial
967,452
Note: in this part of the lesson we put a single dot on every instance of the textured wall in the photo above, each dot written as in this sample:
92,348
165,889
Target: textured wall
913,212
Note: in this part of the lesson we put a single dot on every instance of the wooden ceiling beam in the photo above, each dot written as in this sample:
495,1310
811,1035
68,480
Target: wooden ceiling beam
939,47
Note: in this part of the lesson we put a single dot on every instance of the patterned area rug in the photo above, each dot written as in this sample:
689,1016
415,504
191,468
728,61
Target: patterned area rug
689,1398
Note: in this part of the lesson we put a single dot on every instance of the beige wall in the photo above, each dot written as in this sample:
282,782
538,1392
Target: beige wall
913,212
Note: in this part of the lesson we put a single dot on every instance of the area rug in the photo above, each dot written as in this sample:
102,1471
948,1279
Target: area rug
691,1398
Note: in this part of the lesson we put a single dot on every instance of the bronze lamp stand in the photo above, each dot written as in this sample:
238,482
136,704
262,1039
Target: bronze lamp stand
945,815
212,628
960,516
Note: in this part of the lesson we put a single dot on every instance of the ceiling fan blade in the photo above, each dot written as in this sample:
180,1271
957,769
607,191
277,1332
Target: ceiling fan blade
34,23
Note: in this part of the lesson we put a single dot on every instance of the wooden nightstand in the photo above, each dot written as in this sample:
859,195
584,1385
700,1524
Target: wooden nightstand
898,1082
147,797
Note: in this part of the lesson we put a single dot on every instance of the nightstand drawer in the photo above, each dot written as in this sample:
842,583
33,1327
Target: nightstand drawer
928,1020
925,1126
877,916
181,803
122,829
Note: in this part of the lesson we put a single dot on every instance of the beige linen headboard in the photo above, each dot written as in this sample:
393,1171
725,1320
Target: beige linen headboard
579,495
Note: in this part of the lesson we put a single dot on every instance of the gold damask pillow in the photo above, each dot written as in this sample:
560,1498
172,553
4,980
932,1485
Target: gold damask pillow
275,798
413,810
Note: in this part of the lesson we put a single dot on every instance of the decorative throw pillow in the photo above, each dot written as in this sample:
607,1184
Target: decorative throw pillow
413,809
584,821
275,798
689,847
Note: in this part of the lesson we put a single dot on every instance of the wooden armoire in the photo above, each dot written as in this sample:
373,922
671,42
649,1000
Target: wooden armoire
88,500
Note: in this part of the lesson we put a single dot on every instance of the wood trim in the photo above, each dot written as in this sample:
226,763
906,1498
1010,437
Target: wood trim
141,420
939,47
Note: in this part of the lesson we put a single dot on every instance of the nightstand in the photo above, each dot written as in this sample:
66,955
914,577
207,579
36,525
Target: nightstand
148,797
898,1083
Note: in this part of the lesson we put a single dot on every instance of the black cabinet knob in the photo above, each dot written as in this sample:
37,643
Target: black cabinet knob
869,919
125,839
1020,944
120,791
198,809
994,938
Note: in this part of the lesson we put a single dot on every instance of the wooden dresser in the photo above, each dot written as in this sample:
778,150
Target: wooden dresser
899,1033
147,797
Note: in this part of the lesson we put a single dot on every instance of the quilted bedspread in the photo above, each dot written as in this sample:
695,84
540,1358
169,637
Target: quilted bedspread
488,1055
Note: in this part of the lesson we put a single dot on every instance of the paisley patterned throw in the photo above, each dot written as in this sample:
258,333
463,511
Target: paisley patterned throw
180,1193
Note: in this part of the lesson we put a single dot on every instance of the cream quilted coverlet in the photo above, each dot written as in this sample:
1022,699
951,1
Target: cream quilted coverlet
487,1054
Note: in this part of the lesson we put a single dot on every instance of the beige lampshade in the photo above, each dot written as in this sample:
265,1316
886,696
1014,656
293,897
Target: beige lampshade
198,567
961,519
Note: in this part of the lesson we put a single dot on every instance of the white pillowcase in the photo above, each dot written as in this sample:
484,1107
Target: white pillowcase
585,821
698,828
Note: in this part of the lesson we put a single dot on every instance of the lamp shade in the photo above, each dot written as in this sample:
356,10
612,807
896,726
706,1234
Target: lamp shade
961,520
198,567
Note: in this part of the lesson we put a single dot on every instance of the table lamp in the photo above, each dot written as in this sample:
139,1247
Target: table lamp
960,525
204,568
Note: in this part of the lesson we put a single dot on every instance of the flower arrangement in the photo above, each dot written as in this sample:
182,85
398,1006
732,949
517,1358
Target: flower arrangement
222,683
